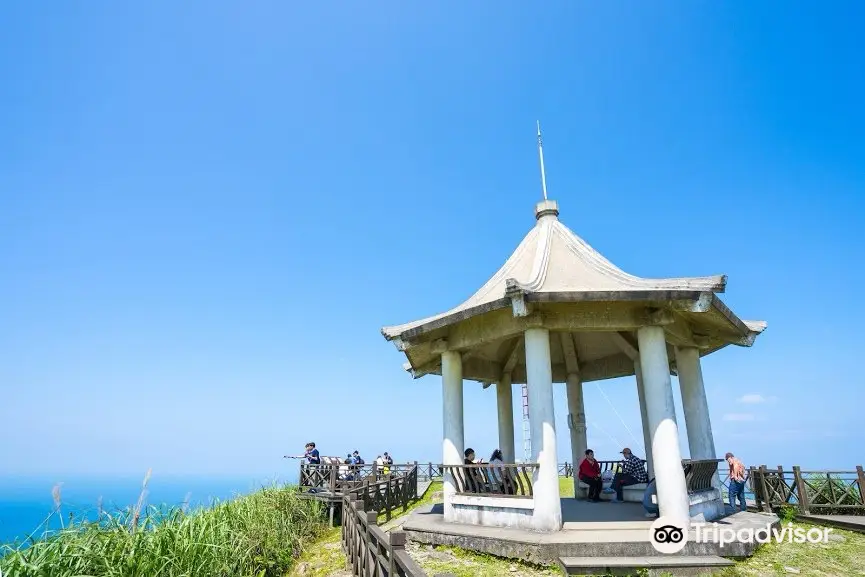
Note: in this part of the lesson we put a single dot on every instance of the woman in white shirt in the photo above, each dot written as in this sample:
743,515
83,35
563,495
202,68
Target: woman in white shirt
498,474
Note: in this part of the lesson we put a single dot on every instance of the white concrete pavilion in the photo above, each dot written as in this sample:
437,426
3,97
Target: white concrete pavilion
559,312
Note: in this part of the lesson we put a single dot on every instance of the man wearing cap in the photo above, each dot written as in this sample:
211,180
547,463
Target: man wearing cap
633,472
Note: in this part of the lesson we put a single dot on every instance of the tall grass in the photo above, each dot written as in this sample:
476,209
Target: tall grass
258,535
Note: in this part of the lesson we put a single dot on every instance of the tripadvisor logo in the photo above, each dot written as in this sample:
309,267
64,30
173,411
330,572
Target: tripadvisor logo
668,536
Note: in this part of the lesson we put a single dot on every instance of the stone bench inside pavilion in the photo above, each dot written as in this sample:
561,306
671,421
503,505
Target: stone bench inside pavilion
700,479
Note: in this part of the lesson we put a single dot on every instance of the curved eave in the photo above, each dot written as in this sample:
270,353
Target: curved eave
749,330
698,319
412,331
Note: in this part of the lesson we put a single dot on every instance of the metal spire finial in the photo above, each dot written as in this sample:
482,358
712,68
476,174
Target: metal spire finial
541,154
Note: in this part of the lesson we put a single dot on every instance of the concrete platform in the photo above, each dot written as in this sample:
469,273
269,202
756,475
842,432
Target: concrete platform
848,522
675,564
590,530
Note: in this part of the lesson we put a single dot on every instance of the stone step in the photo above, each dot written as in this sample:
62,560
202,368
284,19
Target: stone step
677,565
643,526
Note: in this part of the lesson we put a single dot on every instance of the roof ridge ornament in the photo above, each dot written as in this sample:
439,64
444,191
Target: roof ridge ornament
546,207
541,155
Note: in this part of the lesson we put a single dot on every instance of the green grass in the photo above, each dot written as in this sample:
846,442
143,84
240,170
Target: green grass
462,563
842,557
322,558
259,535
838,558
566,487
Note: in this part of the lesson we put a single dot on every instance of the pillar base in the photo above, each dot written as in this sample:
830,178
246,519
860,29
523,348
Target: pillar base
706,507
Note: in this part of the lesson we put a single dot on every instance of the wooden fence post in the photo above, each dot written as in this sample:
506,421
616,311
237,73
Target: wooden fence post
787,494
387,500
752,480
396,541
861,476
802,490
767,499
754,477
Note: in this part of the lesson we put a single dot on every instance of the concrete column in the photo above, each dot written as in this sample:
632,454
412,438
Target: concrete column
694,403
647,435
547,514
577,425
505,405
701,443
661,413
452,437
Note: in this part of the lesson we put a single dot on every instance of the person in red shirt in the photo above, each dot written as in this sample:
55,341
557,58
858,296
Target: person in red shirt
590,474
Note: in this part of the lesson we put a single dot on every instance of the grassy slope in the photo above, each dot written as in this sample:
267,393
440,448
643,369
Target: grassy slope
257,535
325,558
843,556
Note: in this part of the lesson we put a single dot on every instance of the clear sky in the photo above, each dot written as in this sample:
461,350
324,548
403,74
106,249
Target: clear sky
209,209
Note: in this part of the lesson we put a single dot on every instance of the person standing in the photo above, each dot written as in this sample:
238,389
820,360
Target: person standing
379,466
310,454
590,474
737,482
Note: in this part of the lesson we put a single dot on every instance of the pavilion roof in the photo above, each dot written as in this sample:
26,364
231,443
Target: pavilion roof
554,265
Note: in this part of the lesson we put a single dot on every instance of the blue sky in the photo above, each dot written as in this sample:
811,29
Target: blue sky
209,209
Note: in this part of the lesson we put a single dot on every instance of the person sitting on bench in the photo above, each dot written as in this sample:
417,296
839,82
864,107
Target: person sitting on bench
633,472
474,477
590,474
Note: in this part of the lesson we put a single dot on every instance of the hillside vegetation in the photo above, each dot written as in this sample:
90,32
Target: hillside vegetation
259,535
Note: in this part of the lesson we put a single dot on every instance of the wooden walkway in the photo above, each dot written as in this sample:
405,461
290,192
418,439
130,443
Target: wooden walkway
848,522
422,487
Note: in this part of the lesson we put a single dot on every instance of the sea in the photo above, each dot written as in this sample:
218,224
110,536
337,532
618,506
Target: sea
27,505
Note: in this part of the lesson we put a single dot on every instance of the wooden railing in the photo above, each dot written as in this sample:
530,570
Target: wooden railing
809,492
700,474
370,551
384,497
493,480
339,478
429,472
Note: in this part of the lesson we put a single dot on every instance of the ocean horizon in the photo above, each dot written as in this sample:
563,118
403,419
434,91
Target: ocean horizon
27,502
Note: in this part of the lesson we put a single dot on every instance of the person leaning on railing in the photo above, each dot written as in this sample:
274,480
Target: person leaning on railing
737,482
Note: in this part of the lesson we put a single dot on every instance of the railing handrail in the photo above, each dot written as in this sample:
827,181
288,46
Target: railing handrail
490,465
807,491
365,543
496,479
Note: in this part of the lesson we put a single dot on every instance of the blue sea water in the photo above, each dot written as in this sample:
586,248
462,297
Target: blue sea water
26,503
